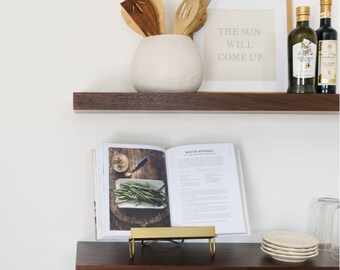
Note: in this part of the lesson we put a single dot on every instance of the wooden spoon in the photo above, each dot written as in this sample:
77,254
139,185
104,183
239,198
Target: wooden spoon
198,26
185,14
160,12
200,19
201,22
131,23
143,14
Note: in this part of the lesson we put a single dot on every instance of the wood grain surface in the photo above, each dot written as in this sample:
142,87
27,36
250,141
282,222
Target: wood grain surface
143,14
162,256
204,101
154,169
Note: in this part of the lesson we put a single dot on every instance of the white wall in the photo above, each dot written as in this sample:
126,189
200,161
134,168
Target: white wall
48,50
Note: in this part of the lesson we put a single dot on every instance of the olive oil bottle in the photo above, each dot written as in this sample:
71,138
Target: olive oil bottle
327,52
302,54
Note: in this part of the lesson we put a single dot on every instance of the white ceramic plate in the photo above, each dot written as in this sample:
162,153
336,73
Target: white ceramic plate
282,252
295,250
154,184
285,258
290,239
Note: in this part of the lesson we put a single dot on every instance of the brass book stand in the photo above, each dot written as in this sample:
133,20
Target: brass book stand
171,234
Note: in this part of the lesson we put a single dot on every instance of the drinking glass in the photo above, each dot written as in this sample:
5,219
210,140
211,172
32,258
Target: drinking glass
335,234
323,222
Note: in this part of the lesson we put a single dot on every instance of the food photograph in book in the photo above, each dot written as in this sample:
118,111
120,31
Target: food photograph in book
138,189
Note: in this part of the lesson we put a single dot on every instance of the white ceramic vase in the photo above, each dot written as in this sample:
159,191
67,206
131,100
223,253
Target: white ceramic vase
167,63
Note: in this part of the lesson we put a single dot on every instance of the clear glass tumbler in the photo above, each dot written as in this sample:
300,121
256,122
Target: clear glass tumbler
335,234
323,221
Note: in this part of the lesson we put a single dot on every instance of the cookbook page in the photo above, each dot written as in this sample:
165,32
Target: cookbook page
131,189
206,188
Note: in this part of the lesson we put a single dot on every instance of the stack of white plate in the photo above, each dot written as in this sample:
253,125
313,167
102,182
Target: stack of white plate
289,246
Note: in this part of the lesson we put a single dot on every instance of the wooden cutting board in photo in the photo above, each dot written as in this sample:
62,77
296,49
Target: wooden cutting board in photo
160,12
143,14
131,23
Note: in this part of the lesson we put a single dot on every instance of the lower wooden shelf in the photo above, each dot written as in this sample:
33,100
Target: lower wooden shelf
189,256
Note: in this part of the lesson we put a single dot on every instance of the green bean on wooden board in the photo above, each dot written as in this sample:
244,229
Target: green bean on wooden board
136,193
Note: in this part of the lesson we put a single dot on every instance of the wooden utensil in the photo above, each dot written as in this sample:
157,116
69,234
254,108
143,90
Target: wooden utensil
201,22
198,26
131,23
143,14
160,12
185,14
200,19
205,3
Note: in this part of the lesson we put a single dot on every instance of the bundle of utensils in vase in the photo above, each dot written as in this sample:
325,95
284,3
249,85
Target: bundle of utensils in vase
289,246
147,17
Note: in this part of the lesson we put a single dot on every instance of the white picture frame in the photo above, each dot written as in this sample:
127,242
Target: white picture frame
243,45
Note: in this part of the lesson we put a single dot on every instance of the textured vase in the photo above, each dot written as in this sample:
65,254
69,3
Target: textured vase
166,63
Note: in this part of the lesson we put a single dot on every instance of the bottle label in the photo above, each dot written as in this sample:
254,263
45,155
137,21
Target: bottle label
327,62
304,59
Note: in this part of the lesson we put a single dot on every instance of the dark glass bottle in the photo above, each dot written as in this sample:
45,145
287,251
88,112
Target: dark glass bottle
327,52
302,54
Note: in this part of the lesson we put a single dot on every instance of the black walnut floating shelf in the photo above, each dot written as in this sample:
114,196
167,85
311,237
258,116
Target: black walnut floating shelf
204,101
192,256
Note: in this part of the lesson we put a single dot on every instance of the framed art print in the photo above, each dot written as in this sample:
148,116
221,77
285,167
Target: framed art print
244,46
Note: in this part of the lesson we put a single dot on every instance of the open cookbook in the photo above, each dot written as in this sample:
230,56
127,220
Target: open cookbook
149,186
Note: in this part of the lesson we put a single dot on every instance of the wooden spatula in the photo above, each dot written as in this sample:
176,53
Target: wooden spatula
185,14
143,14
131,23
160,12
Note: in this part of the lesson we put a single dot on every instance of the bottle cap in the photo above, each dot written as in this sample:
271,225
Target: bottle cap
305,10
326,9
326,2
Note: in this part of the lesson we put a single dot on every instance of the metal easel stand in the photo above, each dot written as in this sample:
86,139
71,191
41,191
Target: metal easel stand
150,236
